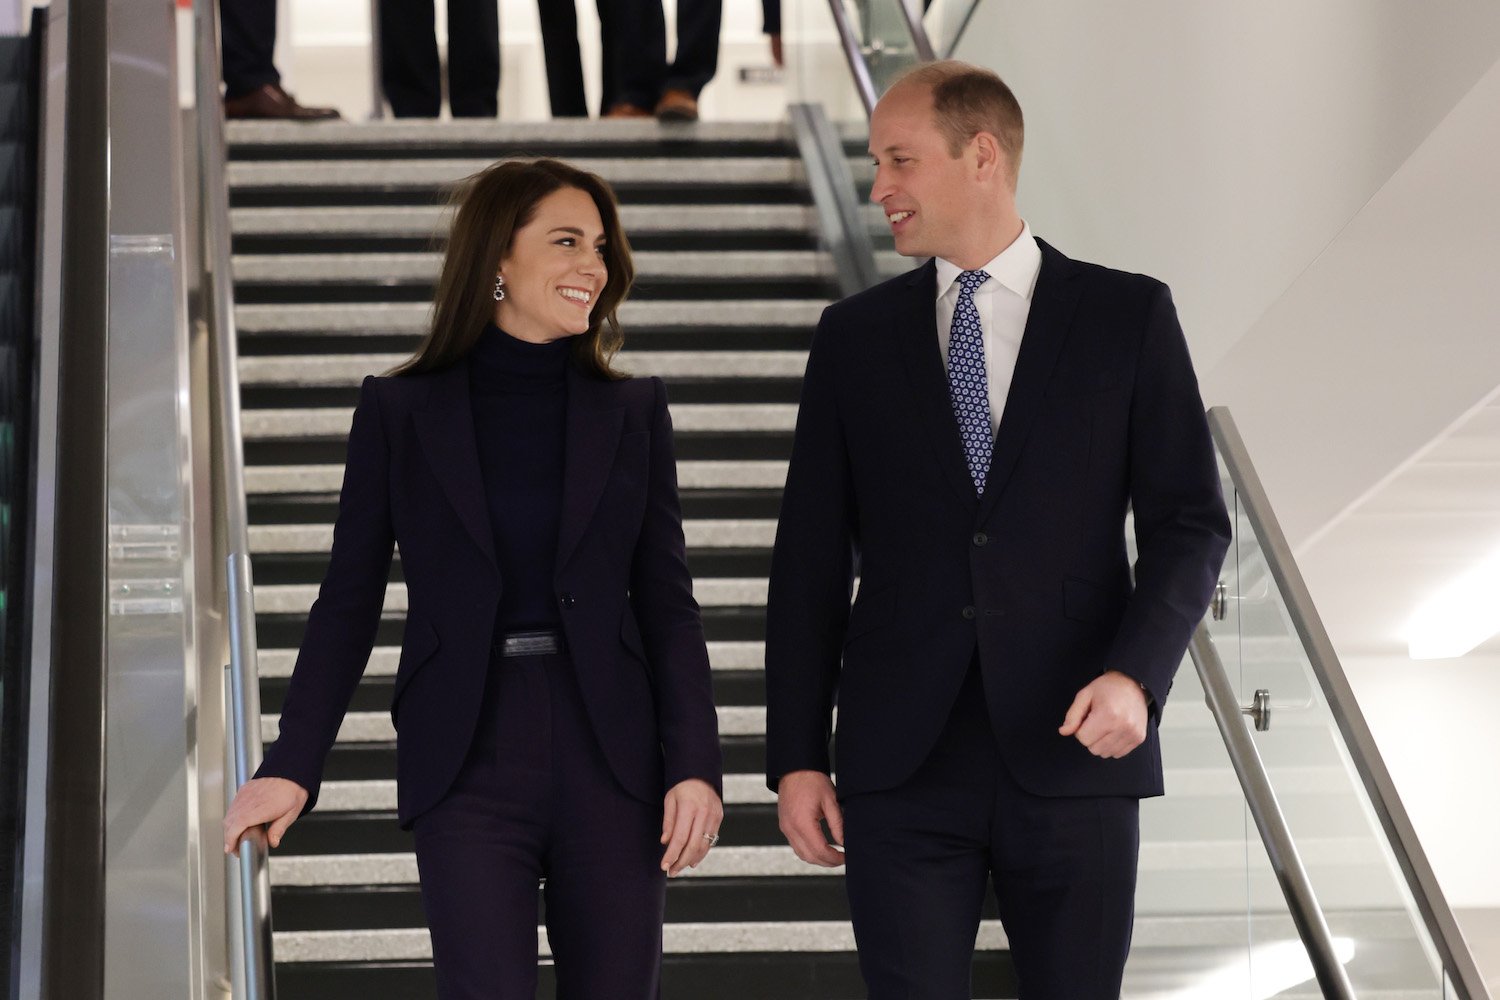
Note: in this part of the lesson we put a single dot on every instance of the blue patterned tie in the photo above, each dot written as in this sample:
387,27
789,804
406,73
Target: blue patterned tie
967,384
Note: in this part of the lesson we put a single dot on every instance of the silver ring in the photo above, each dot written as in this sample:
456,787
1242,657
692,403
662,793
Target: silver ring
712,838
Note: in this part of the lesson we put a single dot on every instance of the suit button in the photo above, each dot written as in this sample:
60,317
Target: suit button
968,613
567,600
980,538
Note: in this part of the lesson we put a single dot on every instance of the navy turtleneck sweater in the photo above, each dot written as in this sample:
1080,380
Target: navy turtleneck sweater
518,392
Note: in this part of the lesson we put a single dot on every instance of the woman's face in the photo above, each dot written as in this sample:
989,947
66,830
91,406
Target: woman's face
555,270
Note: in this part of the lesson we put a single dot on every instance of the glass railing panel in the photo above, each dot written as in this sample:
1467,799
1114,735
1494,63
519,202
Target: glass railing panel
849,51
1377,929
1200,857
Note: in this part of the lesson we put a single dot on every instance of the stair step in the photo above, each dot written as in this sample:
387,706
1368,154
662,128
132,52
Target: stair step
431,173
278,663
700,534
690,475
328,422
412,318
381,270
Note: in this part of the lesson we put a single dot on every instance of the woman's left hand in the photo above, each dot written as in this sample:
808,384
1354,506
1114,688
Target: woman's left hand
690,824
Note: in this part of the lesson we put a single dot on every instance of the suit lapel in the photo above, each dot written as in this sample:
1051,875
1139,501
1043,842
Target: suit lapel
445,428
1052,306
915,322
595,421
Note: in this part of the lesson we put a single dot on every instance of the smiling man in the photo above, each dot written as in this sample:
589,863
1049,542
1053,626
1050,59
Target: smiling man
970,438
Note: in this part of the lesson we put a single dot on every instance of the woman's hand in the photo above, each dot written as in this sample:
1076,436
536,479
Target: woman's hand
690,825
276,801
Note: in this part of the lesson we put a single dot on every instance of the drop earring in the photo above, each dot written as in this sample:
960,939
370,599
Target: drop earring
499,288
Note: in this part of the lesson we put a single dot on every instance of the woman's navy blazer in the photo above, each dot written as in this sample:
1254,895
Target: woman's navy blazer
623,590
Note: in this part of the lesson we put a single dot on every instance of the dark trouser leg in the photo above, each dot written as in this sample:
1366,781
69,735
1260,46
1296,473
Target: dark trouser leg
559,21
639,30
409,70
918,859
247,30
697,56
473,58
479,851
605,892
1065,879
609,78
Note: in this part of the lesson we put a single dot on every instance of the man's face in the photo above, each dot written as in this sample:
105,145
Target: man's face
928,194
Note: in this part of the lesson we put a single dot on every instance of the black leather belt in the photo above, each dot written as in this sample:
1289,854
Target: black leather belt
531,642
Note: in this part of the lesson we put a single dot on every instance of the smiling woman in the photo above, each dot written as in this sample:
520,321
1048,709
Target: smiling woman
553,703
542,233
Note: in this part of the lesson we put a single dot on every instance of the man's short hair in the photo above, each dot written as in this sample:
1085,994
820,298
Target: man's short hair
967,100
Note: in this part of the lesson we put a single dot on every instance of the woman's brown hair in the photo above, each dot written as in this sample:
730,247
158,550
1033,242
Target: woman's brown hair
492,205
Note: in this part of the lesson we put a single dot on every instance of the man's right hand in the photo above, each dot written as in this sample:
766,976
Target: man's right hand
276,801
804,799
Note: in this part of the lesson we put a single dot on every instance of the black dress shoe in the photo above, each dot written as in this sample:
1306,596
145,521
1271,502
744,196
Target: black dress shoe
271,101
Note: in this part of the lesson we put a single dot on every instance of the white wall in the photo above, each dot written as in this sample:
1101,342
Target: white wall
1317,183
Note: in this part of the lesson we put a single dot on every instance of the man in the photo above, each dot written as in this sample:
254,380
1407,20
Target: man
971,435
252,86
411,74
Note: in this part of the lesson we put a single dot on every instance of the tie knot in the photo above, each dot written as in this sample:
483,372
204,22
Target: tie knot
969,281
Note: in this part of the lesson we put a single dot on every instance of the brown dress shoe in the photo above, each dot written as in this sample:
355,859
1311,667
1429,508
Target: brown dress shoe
677,106
624,109
271,101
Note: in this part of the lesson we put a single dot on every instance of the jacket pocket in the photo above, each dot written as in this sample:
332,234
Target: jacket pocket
870,612
1083,601
418,646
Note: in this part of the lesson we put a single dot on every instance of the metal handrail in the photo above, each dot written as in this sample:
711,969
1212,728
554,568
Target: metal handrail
918,28
252,917
863,81
1401,836
1281,848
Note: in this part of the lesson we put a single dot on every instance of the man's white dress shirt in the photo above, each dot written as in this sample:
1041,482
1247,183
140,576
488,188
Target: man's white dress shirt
1003,303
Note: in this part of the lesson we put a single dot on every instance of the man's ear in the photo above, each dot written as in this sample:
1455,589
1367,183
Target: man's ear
989,158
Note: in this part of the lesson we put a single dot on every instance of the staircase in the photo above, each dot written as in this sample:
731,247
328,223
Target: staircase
334,266
334,261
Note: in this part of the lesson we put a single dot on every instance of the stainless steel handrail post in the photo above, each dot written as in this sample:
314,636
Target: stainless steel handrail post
377,90
1296,886
1396,824
912,13
254,920
863,81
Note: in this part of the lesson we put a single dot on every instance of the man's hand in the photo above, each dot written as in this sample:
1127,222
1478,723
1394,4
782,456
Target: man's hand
691,814
259,801
1108,716
804,798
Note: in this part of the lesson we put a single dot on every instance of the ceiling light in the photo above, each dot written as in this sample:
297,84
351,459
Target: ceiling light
1459,617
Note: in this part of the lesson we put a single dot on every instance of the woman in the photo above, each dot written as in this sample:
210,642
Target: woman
553,703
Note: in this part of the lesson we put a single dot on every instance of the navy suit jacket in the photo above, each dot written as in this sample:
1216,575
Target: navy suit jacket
623,590
1103,415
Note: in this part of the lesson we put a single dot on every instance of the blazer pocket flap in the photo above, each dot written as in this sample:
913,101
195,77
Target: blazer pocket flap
1083,601
417,647
871,610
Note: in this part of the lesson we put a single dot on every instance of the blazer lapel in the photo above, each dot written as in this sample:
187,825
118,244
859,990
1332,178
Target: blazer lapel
592,438
1052,306
445,428
915,322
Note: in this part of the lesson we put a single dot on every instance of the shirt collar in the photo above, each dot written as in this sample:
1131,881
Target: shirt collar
1015,267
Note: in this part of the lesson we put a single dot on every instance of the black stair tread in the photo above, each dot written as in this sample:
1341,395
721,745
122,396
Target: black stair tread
321,833
629,192
322,508
689,900
637,338
376,761
720,624
731,687
704,563
733,976
719,239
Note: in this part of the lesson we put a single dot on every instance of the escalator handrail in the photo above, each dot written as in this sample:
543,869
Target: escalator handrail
252,946
1399,832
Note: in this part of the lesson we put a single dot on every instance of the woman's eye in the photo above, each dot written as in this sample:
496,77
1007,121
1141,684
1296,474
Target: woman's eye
566,241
